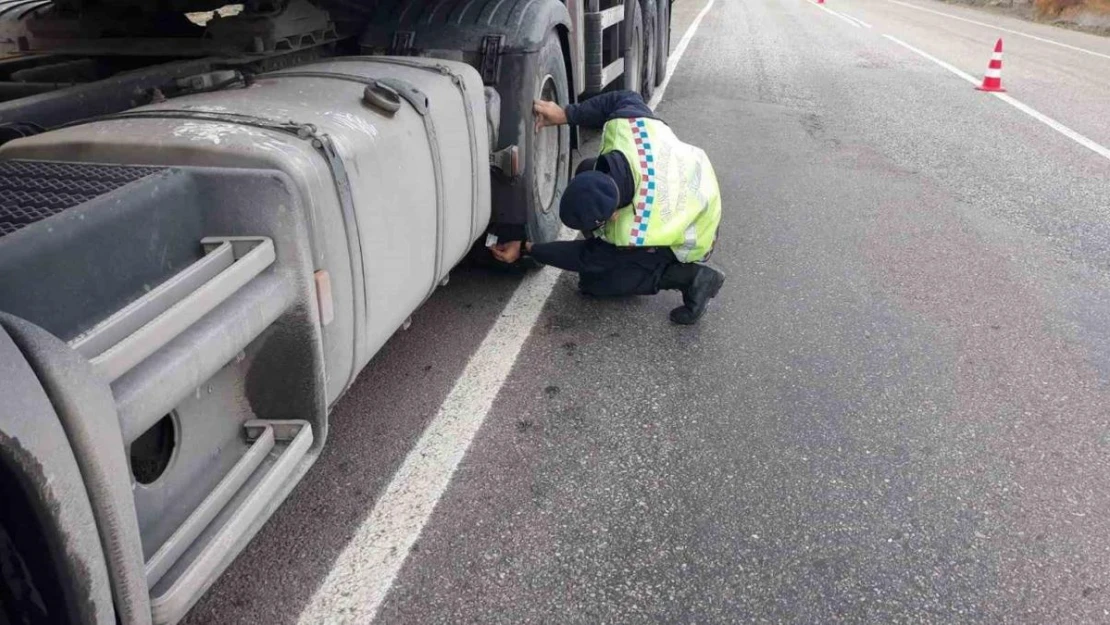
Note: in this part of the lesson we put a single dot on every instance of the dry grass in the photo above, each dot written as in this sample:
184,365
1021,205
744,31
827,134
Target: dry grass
1092,16
1052,8
1071,8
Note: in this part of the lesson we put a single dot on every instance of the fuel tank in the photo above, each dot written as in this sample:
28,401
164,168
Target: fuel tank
196,282
390,157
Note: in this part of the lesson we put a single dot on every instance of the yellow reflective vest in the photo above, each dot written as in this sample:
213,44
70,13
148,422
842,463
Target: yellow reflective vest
677,203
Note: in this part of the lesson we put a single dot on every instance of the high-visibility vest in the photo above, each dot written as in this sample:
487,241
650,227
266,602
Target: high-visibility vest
677,203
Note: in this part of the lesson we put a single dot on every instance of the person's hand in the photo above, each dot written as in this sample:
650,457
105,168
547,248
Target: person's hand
548,114
508,252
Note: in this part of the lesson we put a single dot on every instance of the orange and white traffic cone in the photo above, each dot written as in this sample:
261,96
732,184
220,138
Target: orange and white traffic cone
992,80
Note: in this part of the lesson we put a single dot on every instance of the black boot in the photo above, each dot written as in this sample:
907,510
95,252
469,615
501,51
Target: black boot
704,285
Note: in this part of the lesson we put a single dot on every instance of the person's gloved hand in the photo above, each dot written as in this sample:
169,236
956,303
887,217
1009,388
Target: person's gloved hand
548,114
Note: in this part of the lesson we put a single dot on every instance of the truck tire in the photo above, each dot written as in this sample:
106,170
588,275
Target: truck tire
634,43
20,601
30,592
547,152
663,39
650,18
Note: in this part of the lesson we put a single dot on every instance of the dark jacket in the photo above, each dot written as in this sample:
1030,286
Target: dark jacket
593,113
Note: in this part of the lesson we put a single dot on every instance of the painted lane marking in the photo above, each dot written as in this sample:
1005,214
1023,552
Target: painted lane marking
365,570
1055,125
955,70
1006,30
1035,114
831,12
676,56
856,19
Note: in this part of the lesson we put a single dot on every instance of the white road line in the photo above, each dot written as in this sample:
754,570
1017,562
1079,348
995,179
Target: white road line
1035,114
831,12
363,573
679,50
1006,30
955,70
1055,125
854,18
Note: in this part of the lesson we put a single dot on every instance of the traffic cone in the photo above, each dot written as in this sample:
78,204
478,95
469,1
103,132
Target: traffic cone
992,80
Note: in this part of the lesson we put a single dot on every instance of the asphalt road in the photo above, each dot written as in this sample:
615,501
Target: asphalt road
896,410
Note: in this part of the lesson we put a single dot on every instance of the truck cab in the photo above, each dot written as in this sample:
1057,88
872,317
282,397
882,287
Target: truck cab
211,219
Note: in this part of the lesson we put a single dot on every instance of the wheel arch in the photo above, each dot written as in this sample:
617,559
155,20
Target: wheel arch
455,30
46,505
81,405
441,27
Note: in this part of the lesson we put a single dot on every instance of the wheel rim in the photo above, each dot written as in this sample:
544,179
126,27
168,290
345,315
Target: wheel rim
547,152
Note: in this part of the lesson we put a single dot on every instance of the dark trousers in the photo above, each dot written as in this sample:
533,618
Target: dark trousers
605,270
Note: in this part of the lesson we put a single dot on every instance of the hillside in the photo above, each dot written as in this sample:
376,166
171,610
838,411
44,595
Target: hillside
1088,15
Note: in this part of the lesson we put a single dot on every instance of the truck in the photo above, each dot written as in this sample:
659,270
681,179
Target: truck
211,217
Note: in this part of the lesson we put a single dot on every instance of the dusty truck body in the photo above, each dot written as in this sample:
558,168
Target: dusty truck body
208,227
